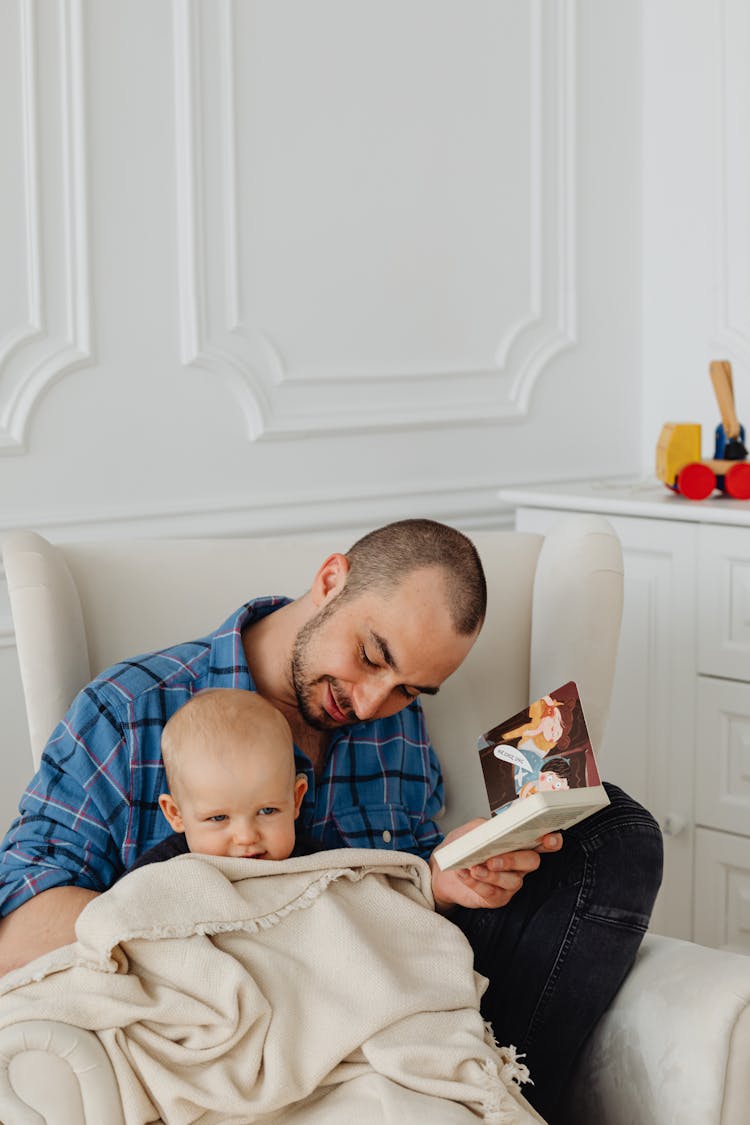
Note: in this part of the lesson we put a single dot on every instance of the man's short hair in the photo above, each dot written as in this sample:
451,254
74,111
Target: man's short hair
384,557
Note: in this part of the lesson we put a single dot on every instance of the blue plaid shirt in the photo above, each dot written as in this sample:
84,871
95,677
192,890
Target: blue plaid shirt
92,808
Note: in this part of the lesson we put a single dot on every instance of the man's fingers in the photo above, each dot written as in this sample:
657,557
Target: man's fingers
509,881
522,862
493,882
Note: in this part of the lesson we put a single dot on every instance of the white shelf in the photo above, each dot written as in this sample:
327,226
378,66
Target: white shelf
646,498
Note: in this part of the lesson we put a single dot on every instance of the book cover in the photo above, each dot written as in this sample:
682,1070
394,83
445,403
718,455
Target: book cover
540,774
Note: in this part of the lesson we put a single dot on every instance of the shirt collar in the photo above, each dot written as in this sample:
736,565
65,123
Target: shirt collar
228,666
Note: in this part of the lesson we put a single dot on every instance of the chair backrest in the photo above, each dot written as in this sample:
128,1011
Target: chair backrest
554,614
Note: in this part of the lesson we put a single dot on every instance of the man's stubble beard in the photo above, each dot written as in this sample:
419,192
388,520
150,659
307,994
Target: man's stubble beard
304,687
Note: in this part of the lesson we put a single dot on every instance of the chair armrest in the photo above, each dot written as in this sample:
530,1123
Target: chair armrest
58,1073
50,633
675,1043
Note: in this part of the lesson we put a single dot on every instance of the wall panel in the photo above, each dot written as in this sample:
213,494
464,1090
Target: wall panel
273,266
347,276
44,317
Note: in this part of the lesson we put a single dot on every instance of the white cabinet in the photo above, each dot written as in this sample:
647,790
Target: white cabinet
678,736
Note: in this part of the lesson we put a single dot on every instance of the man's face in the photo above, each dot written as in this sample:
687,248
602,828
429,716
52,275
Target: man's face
368,657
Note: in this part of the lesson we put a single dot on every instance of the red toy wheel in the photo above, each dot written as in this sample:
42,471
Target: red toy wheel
737,481
696,481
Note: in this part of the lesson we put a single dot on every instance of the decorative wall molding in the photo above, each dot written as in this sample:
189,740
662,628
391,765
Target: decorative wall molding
732,185
473,505
15,337
220,335
55,338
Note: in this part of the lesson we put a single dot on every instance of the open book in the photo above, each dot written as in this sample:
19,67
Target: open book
540,775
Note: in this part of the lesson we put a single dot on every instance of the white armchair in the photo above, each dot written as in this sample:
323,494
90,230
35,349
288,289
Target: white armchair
674,1046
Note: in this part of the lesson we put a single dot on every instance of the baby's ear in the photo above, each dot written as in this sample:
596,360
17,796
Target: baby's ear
300,788
171,812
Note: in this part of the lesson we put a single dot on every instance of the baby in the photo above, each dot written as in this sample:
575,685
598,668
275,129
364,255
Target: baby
232,785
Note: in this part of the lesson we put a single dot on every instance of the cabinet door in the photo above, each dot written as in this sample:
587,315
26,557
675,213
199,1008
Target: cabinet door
722,890
649,744
724,602
722,763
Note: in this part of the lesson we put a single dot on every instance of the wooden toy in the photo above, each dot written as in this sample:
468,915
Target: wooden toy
678,452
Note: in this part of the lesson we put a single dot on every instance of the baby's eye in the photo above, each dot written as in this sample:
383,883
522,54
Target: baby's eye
267,810
218,818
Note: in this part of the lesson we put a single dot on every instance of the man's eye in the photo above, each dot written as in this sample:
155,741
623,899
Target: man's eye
267,810
365,658
408,692
218,818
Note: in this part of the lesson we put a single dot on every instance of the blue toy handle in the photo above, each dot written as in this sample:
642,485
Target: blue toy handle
729,449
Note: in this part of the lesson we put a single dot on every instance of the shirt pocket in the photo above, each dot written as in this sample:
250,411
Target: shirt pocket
376,826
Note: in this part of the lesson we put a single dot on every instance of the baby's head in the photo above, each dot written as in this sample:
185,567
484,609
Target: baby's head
233,789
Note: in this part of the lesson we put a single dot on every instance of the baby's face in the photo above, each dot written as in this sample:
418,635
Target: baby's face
240,803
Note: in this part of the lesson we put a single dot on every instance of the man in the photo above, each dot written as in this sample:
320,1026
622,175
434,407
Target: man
345,663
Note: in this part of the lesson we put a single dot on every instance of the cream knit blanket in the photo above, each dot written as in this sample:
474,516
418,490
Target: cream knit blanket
323,990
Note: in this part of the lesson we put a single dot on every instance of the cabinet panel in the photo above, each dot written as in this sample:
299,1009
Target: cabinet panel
649,743
722,764
724,602
722,890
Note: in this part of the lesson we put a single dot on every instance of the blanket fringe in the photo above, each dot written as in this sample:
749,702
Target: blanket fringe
498,1076
498,1106
248,925
512,1069
53,962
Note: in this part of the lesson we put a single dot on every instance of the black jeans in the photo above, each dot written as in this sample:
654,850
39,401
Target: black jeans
557,953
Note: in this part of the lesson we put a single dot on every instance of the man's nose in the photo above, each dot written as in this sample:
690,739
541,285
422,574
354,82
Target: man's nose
369,696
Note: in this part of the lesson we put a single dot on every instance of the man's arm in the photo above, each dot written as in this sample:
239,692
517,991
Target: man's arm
40,924
63,847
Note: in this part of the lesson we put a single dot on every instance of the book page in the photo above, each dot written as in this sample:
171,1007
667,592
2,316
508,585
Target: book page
545,748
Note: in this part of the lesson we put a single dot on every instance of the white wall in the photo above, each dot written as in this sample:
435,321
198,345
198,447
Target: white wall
274,265
696,211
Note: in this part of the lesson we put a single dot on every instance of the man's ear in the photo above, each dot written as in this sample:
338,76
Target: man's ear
171,812
330,578
300,788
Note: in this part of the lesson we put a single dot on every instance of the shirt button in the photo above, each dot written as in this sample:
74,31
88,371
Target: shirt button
387,836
